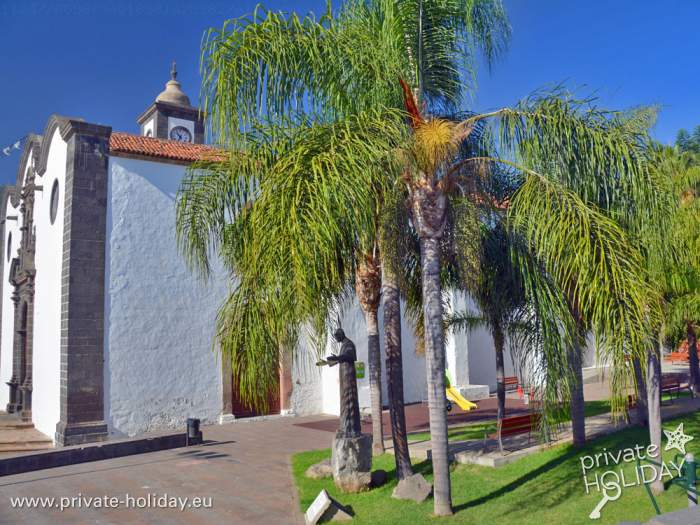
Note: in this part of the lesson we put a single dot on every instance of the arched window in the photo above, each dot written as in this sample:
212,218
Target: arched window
54,202
9,246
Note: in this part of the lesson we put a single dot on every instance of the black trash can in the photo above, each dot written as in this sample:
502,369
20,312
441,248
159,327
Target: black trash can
193,435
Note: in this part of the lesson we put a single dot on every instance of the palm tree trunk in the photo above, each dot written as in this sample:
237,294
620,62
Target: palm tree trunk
642,414
368,284
435,369
498,341
394,373
577,404
693,359
654,404
375,380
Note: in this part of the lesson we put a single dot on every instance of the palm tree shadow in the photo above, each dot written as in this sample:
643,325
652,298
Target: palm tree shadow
560,485
531,475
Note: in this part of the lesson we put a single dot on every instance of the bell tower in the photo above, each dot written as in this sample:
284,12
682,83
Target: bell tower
171,116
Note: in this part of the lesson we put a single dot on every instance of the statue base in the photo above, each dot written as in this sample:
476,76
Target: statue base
351,462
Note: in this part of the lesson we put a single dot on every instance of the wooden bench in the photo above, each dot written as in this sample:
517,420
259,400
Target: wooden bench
676,357
511,383
511,426
671,386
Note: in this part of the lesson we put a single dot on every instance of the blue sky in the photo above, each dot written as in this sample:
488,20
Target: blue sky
106,63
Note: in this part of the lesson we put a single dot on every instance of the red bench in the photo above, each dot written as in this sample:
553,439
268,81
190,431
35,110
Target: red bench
512,426
511,383
676,357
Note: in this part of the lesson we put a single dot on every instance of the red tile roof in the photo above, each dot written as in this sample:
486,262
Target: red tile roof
136,145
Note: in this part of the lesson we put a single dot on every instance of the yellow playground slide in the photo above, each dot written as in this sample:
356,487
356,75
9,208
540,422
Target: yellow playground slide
454,396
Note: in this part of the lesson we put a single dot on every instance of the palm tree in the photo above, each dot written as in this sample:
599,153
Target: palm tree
500,296
682,171
272,67
600,190
300,180
565,150
368,285
331,85
669,242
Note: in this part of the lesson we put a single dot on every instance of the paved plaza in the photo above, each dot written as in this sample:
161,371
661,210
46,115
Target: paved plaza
243,467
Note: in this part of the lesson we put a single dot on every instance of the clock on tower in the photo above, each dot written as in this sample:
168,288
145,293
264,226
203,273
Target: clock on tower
171,116
181,134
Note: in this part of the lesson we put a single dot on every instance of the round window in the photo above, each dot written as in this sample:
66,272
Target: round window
9,246
54,201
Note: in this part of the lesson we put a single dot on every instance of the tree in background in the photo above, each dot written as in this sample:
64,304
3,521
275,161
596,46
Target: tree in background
608,193
575,146
688,142
667,239
500,297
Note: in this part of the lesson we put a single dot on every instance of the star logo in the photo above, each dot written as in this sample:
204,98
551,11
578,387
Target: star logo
677,439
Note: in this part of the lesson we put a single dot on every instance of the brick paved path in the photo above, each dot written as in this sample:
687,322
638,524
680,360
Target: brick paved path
417,416
245,470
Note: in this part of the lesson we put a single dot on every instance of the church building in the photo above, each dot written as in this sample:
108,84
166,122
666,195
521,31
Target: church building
104,330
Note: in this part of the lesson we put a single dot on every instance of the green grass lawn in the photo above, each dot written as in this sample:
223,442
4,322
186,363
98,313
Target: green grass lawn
477,430
544,488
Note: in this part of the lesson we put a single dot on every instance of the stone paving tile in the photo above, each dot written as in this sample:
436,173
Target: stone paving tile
244,468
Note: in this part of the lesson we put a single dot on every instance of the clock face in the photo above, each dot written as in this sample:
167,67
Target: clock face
181,134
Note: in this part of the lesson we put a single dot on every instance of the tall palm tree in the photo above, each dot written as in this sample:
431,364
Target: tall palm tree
658,236
682,170
565,149
497,286
368,285
312,180
272,67
341,73
669,242
615,190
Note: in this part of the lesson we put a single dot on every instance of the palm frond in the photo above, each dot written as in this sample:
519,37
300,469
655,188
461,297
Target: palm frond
593,263
465,321
445,38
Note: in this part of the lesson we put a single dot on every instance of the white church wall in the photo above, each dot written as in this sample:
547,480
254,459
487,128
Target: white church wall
307,387
353,323
457,345
590,357
46,360
159,317
149,128
471,356
13,235
414,378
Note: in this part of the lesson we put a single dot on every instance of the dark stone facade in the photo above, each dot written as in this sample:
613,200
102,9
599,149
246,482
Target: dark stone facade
83,283
82,416
22,276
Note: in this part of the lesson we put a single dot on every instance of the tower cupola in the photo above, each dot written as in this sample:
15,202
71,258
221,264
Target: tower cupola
171,116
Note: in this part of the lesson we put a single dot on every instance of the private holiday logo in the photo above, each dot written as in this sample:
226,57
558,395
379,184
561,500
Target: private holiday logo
611,481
